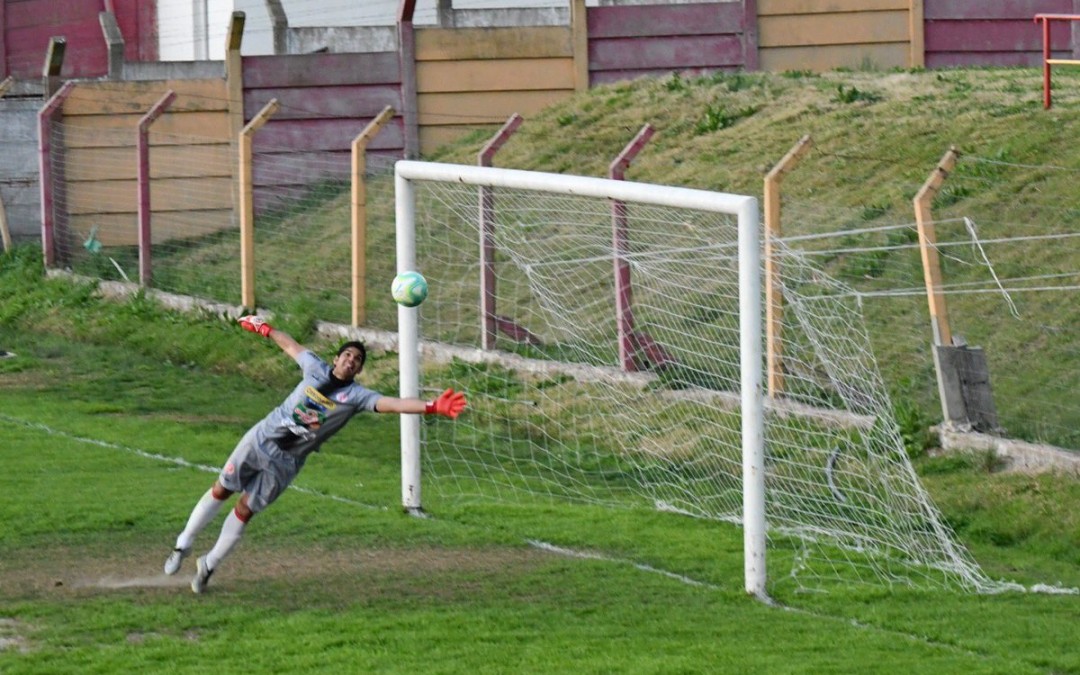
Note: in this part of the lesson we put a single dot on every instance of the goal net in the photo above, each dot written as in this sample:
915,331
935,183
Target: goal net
609,337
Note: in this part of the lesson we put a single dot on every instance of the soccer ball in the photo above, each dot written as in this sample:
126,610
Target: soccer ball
409,289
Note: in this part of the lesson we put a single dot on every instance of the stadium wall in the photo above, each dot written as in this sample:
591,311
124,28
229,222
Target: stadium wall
191,163
473,70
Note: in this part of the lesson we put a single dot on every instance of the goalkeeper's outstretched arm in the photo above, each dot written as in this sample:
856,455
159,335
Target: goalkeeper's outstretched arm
257,324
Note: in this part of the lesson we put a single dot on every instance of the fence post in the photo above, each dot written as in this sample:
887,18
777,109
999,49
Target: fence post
5,233
46,170
54,60
143,173
620,246
916,34
407,60
579,37
247,204
774,294
114,44
359,213
939,314
487,234
234,87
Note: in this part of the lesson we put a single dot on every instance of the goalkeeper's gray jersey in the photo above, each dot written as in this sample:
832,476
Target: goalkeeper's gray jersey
315,410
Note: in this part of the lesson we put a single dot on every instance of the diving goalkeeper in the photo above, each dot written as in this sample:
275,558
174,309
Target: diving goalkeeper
272,452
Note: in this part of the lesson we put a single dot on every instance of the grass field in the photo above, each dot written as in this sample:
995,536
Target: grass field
116,417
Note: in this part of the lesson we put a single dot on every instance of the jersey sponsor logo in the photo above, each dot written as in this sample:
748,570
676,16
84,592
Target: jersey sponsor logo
316,397
312,412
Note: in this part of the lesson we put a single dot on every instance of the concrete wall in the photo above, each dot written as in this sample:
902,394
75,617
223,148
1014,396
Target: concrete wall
19,167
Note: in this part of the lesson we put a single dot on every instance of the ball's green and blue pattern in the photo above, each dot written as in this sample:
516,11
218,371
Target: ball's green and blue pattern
409,289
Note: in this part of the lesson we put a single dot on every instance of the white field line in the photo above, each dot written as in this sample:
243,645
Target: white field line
178,461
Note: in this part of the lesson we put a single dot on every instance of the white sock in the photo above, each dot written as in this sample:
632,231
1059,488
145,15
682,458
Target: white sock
201,515
231,532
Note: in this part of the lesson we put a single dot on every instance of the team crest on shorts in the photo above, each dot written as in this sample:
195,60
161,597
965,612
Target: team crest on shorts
230,469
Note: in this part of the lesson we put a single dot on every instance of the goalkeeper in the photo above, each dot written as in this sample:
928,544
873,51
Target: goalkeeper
272,452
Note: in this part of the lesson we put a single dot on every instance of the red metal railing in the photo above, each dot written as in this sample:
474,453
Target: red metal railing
1046,20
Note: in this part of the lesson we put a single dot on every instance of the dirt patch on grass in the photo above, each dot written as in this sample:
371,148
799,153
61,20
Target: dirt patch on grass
78,571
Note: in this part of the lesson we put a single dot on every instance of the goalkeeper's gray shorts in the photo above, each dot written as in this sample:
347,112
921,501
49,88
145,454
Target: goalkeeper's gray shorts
261,471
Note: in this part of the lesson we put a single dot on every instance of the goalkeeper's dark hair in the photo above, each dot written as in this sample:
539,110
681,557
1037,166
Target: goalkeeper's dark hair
359,347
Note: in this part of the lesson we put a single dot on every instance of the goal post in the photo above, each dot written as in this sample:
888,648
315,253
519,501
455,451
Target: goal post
745,211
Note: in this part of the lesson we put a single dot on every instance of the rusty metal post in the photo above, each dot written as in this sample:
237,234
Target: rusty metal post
487,234
620,246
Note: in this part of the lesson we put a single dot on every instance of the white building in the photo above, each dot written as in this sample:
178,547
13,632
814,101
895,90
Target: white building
194,30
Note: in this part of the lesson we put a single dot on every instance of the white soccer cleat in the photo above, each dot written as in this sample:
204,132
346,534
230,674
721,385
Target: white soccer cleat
172,563
202,575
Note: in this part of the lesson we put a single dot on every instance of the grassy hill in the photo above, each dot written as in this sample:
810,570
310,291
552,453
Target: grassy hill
876,138
1007,216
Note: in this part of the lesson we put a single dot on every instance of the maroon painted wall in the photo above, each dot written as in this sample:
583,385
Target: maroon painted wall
326,101
27,25
1000,33
632,41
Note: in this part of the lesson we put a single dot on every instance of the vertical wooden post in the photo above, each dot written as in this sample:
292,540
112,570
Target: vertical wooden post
620,246
916,34
407,61
939,314
247,205
579,41
143,174
774,295
359,213
54,61
5,233
487,234
234,87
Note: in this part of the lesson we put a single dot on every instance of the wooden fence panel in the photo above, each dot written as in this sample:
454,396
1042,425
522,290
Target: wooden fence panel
827,34
472,78
325,100
191,160
1002,33
634,41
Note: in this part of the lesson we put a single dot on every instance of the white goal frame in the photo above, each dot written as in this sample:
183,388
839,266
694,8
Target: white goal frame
744,208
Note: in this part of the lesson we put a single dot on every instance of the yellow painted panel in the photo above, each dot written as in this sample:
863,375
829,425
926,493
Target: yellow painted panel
442,44
121,229
104,98
833,29
882,57
168,194
496,107
171,161
776,7
432,138
508,74
179,129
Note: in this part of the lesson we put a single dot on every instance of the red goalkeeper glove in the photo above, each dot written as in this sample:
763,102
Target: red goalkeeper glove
450,403
255,324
